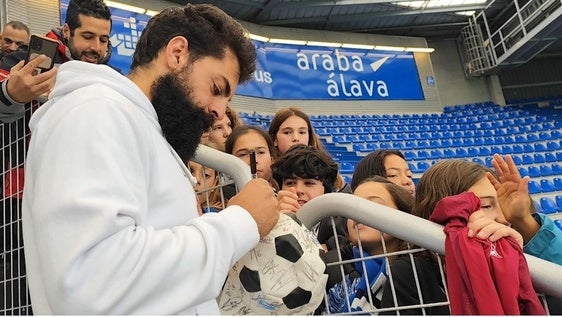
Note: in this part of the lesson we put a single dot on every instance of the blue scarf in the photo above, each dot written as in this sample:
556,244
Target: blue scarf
357,287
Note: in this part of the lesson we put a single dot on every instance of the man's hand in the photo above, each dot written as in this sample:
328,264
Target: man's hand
258,199
23,86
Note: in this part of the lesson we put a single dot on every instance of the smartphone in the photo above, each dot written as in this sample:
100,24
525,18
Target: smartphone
42,45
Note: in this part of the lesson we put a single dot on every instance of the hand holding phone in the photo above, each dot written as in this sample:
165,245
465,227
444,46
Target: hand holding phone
39,45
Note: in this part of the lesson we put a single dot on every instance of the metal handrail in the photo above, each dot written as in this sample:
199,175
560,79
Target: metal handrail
221,161
546,276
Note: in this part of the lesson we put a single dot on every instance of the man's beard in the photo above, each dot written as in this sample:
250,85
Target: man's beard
182,121
77,55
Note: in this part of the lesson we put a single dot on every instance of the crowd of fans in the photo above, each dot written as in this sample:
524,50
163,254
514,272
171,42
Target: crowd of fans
491,209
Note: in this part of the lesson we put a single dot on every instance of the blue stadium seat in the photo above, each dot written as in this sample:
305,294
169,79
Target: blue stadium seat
333,131
423,155
485,151
539,147
528,159
461,152
384,145
523,171
466,141
517,159
534,187
414,168
548,205
532,137
546,170
544,135
520,138
517,148
446,143
410,144
495,149
339,139
436,154
506,149
549,157
558,199
552,145
346,168
547,186
534,171
509,139
478,161
488,141
558,222
448,153
434,143
423,166
499,140
321,131
539,158
359,147
556,169
557,183
472,151
410,155
423,144
478,141
489,161
559,156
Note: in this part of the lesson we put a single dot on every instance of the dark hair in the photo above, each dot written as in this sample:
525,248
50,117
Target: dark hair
402,198
90,8
371,165
244,129
209,31
305,161
18,26
284,114
445,178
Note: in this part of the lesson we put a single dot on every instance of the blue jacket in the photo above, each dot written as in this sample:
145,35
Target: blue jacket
547,242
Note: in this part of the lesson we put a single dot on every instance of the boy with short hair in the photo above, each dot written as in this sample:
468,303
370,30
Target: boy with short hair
304,173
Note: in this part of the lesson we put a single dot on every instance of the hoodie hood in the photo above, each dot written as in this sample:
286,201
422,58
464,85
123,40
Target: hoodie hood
75,75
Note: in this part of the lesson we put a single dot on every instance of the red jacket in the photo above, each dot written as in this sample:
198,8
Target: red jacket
483,277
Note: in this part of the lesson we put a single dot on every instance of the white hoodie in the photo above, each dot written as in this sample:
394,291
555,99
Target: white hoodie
110,221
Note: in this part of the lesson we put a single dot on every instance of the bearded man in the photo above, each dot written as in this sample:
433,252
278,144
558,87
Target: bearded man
110,216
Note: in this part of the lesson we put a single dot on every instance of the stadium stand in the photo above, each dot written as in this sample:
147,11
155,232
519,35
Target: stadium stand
472,131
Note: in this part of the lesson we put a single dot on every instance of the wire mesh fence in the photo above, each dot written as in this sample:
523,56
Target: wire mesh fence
425,239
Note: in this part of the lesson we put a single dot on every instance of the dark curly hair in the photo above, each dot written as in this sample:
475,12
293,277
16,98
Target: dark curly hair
305,161
208,30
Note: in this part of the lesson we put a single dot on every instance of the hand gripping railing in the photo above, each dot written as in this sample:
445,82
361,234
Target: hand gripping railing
546,276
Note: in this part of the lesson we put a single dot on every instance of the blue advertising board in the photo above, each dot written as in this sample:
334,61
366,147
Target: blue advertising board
309,72
296,71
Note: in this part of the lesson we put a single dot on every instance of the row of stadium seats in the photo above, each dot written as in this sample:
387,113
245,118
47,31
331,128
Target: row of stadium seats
545,186
487,135
438,147
484,120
